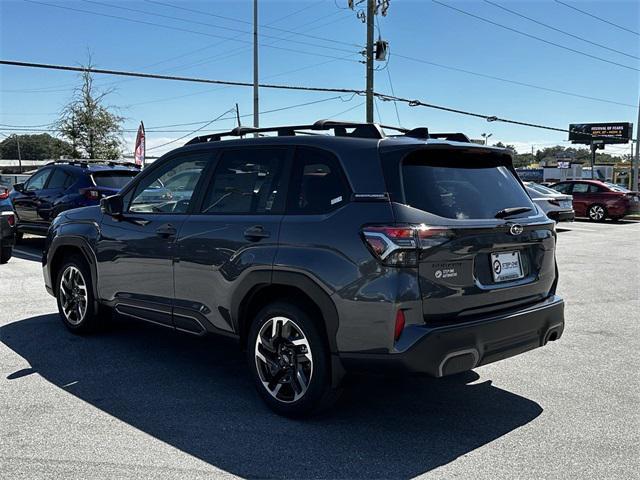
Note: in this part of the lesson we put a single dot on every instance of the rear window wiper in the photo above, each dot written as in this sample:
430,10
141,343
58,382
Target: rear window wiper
507,212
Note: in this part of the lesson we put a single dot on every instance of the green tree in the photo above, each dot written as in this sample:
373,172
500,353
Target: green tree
34,147
92,128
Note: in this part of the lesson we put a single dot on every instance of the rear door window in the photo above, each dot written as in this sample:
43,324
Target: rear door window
580,188
563,188
318,184
58,179
462,190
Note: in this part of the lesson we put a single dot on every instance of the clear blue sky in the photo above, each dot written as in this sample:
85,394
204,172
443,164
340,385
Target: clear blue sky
424,30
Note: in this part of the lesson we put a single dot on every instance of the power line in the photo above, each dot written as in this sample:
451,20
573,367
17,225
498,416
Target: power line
247,22
381,96
528,35
180,29
192,132
598,18
212,25
515,82
173,77
560,30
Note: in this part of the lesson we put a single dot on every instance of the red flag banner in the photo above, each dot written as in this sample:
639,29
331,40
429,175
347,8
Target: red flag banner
140,150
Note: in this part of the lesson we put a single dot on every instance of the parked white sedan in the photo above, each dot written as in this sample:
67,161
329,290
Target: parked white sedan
557,206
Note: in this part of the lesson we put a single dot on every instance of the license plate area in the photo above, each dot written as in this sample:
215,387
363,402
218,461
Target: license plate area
506,266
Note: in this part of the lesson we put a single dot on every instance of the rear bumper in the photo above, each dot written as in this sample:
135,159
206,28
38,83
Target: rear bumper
445,350
562,215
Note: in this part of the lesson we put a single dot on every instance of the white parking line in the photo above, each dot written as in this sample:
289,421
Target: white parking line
28,254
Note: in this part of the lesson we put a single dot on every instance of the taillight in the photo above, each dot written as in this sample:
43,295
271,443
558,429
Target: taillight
91,193
4,194
399,327
399,246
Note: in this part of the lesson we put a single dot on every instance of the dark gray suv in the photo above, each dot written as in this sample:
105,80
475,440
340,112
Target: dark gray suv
323,249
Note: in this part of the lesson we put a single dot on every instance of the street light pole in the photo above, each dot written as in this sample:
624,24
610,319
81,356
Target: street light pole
19,154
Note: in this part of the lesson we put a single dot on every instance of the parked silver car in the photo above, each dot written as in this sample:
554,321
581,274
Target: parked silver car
555,205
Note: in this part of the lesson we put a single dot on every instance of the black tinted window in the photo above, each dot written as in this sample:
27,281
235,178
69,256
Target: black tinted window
318,185
464,192
58,179
247,181
115,179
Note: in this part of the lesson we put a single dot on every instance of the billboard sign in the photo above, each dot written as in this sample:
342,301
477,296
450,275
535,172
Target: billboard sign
602,133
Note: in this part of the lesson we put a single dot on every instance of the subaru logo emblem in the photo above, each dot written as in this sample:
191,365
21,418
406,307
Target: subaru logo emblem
516,229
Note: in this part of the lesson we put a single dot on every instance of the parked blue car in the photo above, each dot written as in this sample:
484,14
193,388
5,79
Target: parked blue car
64,185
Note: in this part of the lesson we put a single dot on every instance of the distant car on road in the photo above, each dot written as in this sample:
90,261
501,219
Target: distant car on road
65,185
7,226
555,205
598,200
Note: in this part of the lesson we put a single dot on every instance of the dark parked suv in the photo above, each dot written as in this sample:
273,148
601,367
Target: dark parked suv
63,185
321,255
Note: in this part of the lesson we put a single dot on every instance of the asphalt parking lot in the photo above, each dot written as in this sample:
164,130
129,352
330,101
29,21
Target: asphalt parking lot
141,402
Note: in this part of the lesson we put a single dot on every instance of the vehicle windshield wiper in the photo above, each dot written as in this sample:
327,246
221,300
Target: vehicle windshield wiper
507,212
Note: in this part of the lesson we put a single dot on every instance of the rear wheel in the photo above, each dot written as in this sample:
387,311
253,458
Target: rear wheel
597,213
74,293
289,361
5,254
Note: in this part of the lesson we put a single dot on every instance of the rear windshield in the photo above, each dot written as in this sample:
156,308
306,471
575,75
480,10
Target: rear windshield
115,180
463,192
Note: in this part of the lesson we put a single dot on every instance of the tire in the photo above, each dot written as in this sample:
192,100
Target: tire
5,254
280,364
597,213
75,297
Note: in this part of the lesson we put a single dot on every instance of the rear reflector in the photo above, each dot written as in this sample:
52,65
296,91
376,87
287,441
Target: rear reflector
4,193
399,325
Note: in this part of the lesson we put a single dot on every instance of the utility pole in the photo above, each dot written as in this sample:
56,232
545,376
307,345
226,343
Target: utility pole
636,160
19,154
256,119
371,12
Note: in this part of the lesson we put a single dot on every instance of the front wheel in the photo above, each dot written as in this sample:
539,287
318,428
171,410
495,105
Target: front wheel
597,213
289,361
74,293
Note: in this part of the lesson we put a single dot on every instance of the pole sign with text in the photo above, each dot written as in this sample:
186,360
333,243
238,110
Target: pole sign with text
600,133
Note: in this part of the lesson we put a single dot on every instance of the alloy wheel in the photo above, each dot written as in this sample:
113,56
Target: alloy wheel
73,295
283,359
596,212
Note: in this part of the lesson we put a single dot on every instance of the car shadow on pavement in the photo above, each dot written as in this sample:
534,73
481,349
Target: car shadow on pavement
195,394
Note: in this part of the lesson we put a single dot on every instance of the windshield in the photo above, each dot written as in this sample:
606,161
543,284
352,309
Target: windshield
115,180
463,192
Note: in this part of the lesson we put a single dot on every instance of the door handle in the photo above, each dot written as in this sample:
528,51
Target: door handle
166,230
256,233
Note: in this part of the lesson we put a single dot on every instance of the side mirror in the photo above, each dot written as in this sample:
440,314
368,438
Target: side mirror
18,187
112,205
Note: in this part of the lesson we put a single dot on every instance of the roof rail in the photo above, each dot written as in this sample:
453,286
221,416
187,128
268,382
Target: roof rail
340,129
359,129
